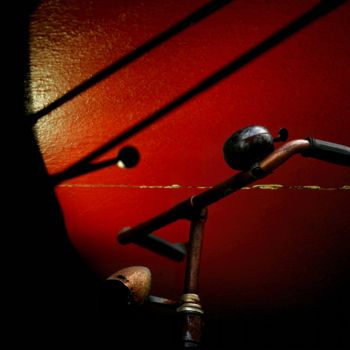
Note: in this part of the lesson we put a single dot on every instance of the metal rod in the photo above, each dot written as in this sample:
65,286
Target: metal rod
185,209
180,211
190,308
194,252
198,15
162,301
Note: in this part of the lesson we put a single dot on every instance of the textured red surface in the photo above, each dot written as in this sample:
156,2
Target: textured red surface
263,247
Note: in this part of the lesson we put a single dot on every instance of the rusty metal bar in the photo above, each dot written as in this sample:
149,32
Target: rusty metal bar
186,209
179,211
190,308
194,252
191,330
281,155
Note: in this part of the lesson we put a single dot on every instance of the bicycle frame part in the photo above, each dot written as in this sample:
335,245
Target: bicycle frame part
136,282
187,208
190,307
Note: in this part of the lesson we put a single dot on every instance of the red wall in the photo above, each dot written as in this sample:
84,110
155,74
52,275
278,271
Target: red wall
274,248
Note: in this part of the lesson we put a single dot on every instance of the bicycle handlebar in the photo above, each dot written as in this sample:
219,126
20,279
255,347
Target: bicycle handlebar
309,147
328,151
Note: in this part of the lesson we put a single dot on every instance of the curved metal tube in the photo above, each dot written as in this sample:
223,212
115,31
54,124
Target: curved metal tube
281,155
187,208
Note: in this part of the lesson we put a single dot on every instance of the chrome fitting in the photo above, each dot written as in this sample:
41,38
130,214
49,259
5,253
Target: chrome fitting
190,304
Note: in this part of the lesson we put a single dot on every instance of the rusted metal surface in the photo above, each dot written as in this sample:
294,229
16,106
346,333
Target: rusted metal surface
281,155
186,208
195,251
128,235
190,306
192,329
137,279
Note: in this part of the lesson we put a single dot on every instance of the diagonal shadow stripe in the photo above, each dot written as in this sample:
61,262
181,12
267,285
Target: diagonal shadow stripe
84,166
197,16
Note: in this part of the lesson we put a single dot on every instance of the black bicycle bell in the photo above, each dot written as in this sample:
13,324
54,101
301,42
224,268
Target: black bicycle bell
248,146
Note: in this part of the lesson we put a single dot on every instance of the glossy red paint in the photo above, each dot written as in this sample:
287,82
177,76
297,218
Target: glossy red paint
263,247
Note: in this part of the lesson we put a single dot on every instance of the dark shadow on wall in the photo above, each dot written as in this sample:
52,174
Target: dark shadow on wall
54,298
197,16
86,164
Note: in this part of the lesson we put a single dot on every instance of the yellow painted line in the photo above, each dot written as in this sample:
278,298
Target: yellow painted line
271,187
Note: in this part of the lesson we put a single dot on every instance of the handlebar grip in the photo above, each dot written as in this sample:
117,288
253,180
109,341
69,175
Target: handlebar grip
328,151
